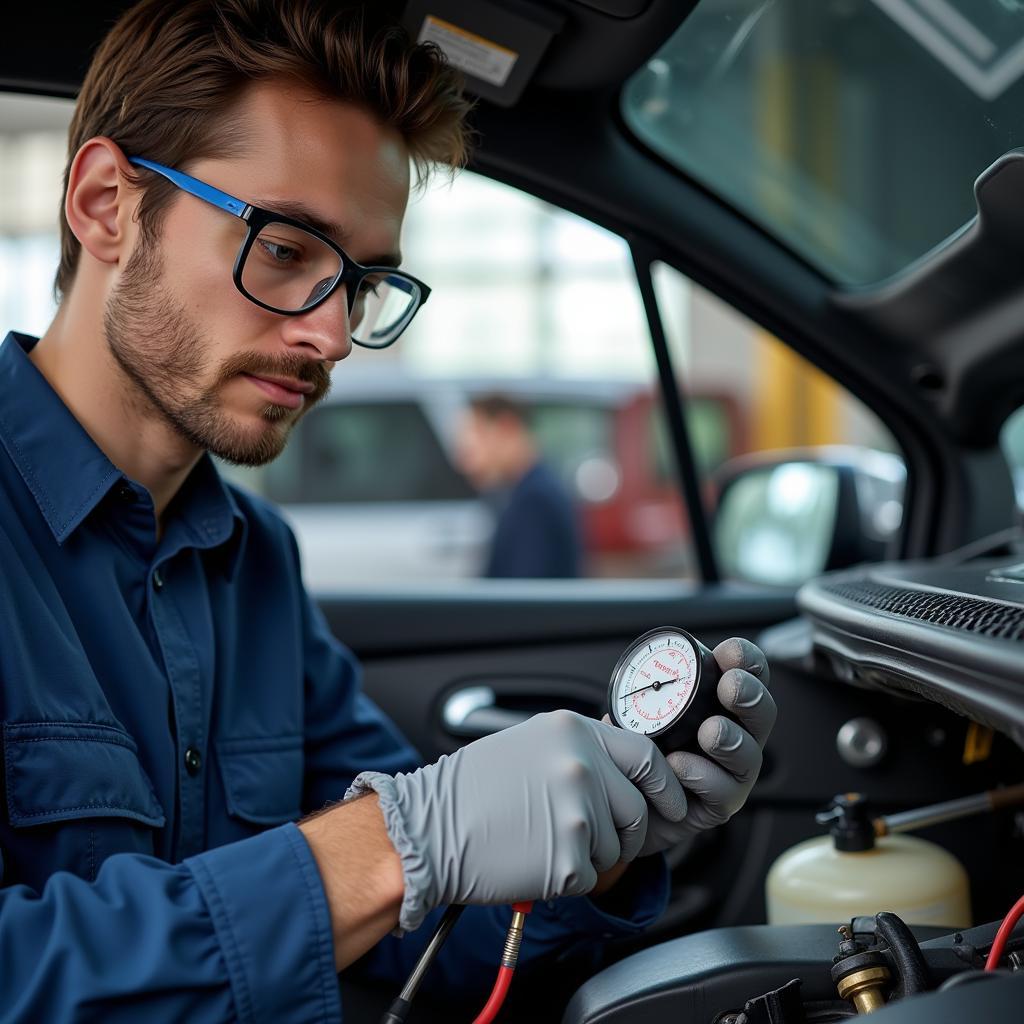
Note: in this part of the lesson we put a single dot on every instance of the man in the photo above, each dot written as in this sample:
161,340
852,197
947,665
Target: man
172,700
536,533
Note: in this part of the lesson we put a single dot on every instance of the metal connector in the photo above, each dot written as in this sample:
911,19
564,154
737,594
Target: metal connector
513,940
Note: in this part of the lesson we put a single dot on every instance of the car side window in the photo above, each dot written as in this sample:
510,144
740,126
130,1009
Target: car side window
516,429
799,475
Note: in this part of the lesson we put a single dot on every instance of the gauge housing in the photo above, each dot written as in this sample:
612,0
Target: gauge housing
680,729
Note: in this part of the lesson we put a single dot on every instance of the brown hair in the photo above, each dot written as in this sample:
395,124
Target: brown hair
495,405
164,82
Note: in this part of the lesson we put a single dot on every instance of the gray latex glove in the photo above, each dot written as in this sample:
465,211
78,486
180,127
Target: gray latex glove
533,812
718,785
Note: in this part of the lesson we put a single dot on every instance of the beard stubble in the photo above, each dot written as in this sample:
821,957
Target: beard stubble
161,352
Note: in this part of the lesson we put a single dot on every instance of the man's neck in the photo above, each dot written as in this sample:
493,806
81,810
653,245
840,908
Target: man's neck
74,358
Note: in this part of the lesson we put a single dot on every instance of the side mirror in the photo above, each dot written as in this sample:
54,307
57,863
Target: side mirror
784,517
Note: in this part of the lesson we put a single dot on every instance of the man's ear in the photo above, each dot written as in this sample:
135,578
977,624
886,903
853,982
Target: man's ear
99,203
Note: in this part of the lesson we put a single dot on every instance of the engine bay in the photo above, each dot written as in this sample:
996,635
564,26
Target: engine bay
945,633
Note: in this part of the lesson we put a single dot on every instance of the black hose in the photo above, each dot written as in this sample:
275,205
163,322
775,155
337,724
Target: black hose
399,1009
911,967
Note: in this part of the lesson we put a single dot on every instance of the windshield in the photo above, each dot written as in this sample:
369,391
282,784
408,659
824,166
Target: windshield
853,130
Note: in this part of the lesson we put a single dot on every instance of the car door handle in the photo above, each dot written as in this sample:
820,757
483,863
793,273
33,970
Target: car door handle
474,712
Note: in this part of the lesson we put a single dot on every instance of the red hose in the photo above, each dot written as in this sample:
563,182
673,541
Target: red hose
498,993
507,969
1005,930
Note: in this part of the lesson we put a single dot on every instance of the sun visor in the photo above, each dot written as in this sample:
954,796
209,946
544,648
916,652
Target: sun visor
496,47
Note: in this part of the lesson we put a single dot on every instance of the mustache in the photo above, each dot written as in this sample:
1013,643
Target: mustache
307,370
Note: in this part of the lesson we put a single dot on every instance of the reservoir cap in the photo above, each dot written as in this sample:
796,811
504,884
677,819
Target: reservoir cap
850,823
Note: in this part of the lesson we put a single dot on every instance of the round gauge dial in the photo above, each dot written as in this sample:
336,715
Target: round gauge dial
657,682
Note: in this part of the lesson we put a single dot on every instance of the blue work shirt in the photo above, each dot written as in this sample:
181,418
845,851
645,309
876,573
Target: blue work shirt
169,708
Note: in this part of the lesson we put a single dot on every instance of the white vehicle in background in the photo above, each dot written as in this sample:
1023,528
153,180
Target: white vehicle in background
368,480
368,484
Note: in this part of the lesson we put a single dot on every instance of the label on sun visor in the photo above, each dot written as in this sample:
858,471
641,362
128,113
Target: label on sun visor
470,53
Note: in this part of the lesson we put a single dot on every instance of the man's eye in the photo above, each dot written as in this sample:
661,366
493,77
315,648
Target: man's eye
279,252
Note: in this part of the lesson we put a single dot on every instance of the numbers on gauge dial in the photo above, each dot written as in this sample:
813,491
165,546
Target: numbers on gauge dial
656,683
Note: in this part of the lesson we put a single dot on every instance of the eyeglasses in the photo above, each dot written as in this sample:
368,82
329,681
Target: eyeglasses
289,267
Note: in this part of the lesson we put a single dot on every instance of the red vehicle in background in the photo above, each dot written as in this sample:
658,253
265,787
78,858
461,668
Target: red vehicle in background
641,528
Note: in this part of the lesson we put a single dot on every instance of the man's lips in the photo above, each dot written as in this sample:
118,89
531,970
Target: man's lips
284,391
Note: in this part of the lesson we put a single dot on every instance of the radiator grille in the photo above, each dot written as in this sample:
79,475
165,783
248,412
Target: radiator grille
954,611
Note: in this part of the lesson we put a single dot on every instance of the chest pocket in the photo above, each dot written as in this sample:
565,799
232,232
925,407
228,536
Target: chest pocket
76,793
262,778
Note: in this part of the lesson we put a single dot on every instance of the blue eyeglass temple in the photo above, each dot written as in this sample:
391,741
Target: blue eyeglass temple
195,187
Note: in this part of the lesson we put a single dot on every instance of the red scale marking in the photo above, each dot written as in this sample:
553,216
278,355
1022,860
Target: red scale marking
648,704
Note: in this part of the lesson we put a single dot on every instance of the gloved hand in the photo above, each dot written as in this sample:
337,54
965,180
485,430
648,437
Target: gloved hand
719,787
533,812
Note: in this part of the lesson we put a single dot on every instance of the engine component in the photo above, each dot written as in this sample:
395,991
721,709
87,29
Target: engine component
862,742
851,872
861,975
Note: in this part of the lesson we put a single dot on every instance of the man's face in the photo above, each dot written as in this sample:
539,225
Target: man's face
480,449
230,377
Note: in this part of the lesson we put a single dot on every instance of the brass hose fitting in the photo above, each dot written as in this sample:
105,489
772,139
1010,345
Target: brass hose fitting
864,988
860,975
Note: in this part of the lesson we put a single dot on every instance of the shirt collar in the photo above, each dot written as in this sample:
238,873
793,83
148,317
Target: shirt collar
67,473
61,465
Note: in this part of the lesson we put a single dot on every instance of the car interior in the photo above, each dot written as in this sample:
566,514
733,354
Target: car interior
877,234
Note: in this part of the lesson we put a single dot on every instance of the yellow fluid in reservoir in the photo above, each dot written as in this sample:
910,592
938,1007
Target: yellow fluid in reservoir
813,882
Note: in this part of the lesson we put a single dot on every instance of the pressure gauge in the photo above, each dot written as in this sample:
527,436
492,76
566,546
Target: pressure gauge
664,686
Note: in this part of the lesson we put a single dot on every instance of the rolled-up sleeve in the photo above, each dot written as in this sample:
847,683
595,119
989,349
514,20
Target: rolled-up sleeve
237,933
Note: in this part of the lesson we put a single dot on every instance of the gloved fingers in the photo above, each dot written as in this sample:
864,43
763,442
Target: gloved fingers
715,794
573,871
742,694
645,766
629,815
737,652
582,880
731,747
606,848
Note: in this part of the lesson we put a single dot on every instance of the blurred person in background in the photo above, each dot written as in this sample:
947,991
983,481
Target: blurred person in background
537,532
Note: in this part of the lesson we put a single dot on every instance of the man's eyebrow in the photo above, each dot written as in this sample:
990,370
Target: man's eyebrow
299,211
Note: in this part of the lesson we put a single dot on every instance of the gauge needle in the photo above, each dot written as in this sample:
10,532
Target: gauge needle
656,686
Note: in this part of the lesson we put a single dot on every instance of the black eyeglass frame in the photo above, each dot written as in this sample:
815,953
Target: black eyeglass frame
256,218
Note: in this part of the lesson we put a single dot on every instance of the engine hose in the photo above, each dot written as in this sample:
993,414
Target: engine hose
911,967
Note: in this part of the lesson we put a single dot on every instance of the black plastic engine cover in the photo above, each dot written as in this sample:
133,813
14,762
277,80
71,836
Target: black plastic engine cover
694,979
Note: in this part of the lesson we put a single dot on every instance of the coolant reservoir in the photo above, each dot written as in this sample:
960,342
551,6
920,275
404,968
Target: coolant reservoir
850,873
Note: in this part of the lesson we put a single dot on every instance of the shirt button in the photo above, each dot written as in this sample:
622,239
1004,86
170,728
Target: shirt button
126,494
193,761
158,580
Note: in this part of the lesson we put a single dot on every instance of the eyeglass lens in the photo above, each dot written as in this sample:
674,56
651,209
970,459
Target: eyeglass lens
289,269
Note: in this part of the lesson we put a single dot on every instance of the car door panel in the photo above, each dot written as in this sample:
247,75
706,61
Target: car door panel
480,614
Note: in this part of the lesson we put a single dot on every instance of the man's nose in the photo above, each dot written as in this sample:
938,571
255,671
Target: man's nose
324,331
